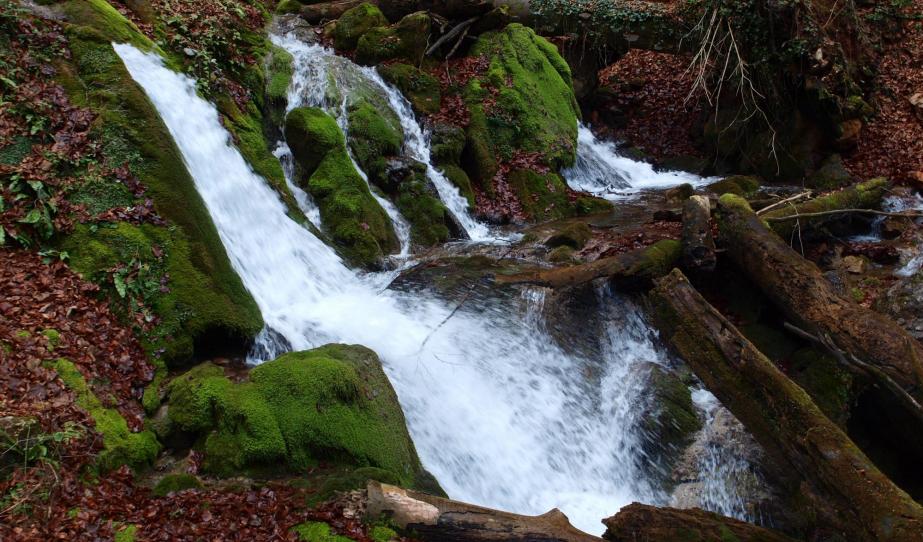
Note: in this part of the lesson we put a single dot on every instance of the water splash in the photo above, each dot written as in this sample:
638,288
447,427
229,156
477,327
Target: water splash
603,171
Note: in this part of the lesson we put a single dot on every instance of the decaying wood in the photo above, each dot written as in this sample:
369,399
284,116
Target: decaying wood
638,265
797,287
847,491
456,30
698,243
637,522
865,195
442,520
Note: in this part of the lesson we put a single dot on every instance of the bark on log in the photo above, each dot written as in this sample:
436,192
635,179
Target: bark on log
698,243
637,266
865,195
797,287
443,520
651,524
848,492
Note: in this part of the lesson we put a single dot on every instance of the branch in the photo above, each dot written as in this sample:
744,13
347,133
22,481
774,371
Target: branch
450,34
907,214
778,204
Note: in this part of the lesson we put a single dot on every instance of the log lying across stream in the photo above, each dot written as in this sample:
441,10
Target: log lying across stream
637,522
638,265
799,289
848,492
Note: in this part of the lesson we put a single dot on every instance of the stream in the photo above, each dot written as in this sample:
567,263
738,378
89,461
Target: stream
500,413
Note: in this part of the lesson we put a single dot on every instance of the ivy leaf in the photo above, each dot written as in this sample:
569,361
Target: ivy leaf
120,285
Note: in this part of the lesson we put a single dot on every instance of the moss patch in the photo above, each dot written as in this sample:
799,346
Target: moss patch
315,531
543,195
331,403
405,40
120,446
176,482
354,23
420,88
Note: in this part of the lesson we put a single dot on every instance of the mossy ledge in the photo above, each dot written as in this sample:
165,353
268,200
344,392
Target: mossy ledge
360,228
207,301
333,403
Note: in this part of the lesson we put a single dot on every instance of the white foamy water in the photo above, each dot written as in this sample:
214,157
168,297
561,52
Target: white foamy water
323,79
499,412
602,170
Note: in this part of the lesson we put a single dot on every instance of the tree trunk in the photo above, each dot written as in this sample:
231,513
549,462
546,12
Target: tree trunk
637,522
865,195
442,520
848,492
798,288
630,268
698,243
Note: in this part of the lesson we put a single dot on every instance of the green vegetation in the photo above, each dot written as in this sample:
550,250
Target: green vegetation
176,482
354,23
360,228
420,88
739,185
331,403
315,531
279,71
374,135
543,195
406,40
126,534
120,445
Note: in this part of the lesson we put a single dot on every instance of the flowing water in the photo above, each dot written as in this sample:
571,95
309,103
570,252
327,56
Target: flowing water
603,171
499,412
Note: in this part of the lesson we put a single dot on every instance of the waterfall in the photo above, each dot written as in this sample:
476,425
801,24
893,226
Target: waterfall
500,413
603,171
316,67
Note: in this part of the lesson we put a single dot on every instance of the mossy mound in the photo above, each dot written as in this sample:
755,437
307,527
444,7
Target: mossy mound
574,235
359,227
405,40
120,445
193,313
279,70
739,185
316,531
354,23
206,294
172,483
375,138
420,88
332,403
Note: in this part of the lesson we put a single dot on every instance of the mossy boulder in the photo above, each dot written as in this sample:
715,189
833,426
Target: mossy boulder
830,175
311,134
332,403
447,144
670,421
420,88
543,196
354,23
405,40
457,176
279,70
574,235
374,135
739,185
120,445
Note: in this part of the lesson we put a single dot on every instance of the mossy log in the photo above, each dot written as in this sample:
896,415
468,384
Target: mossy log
847,492
797,287
437,519
639,265
698,243
327,11
865,195
652,524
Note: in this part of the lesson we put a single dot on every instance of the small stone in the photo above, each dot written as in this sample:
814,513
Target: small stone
189,51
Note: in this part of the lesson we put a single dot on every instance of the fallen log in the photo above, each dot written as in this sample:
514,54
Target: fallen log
698,243
444,520
786,220
847,492
651,524
639,265
798,288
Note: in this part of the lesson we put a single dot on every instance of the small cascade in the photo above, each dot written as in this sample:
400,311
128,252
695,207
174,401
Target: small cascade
603,171
500,413
323,79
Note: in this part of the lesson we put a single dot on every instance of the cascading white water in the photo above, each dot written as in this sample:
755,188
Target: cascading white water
603,171
316,67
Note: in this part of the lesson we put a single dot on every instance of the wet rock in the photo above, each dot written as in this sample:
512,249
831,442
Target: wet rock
670,420
420,88
904,303
679,194
739,185
831,174
574,235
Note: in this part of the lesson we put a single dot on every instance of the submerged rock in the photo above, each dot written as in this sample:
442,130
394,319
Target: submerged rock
333,403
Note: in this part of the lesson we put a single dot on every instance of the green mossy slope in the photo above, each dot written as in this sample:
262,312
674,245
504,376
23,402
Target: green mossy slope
206,293
332,403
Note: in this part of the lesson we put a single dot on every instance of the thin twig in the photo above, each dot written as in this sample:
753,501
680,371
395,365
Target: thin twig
907,214
783,202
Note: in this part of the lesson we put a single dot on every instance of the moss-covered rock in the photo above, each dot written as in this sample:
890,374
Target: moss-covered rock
673,420
447,144
831,174
543,196
574,235
311,134
354,23
316,531
279,70
213,297
120,445
332,403
172,483
374,135
420,88
739,185
405,40
457,176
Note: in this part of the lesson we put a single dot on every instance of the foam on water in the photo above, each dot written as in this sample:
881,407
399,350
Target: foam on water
500,414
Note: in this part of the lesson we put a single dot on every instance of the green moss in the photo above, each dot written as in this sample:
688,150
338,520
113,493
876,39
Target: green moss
543,196
279,71
826,381
405,40
350,480
674,421
574,235
420,88
120,446
459,178
97,79
54,338
176,482
354,23
424,210
865,195
447,145
126,534
379,533
733,201
105,19
15,151
288,6
315,531
311,133
98,194
739,185
561,254
374,135
332,403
